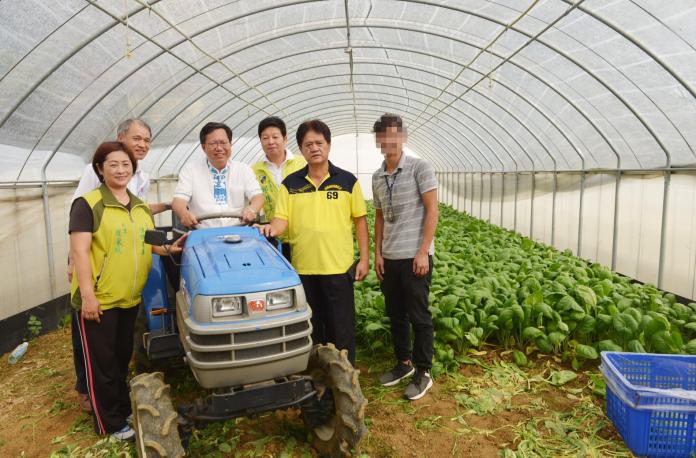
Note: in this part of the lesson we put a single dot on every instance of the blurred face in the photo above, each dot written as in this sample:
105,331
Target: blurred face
137,138
218,148
273,144
391,141
117,170
315,148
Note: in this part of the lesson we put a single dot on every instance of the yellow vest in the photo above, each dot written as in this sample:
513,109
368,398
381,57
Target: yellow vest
119,257
269,187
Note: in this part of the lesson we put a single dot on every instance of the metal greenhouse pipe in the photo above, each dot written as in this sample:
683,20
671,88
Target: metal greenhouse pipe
490,197
480,213
459,194
663,230
49,239
553,208
471,200
517,178
615,228
580,205
502,196
531,206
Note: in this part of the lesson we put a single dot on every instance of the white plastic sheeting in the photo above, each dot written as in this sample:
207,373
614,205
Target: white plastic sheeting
622,230
485,86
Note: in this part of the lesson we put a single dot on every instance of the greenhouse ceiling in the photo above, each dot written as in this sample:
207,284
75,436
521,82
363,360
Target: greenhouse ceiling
505,85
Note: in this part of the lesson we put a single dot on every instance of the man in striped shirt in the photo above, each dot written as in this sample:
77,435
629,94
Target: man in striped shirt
404,191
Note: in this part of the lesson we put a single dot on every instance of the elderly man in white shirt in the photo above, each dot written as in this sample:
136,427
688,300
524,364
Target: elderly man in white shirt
214,183
136,135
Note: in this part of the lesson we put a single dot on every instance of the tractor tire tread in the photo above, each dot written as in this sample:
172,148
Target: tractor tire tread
332,367
154,418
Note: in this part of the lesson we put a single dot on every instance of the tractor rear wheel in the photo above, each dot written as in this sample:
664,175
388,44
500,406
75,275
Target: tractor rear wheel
154,419
337,417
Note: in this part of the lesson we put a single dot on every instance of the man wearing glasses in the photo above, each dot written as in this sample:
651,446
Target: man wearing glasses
215,183
404,191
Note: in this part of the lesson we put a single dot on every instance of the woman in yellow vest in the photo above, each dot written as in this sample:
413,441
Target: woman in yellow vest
107,242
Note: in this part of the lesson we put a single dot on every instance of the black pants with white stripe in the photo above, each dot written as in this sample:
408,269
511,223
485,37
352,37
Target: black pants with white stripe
333,310
406,298
78,356
108,346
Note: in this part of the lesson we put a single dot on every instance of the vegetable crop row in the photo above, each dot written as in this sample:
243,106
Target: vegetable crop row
494,285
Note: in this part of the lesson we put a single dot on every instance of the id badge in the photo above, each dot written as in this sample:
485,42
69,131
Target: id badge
389,214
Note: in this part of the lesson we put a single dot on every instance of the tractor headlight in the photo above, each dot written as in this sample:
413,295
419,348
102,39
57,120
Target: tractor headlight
223,306
280,300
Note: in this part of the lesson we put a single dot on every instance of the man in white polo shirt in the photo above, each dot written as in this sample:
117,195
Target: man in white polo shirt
136,134
214,183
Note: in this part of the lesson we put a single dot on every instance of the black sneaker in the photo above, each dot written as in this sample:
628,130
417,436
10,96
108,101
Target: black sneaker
397,374
420,384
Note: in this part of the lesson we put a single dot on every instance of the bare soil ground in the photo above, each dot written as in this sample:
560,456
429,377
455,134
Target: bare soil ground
489,408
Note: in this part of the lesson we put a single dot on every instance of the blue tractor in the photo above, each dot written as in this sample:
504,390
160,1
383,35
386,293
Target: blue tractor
242,324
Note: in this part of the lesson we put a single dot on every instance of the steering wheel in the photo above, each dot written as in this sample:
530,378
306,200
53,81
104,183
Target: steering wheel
214,215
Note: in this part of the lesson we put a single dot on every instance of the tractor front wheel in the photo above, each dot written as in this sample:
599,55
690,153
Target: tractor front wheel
154,419
337,415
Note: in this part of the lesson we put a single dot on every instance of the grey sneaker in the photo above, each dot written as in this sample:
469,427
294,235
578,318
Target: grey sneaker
397,374
420,384
126,434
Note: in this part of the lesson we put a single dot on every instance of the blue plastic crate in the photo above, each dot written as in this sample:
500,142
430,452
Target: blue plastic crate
651,399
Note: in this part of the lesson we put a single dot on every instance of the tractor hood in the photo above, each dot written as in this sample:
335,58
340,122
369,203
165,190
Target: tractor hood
212,266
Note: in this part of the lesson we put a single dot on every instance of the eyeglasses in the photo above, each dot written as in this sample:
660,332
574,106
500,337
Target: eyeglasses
138,139
221,144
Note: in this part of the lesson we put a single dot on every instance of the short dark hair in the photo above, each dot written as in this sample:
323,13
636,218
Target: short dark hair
315,125
388,120
104,150
273,121
211,126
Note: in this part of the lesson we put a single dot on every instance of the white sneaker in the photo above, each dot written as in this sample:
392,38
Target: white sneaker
126,434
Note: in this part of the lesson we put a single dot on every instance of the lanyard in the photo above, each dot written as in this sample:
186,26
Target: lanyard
390,187
389,215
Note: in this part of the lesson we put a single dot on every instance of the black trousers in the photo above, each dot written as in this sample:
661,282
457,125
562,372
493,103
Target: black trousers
78,355
333,310
406,298
286,250
108,347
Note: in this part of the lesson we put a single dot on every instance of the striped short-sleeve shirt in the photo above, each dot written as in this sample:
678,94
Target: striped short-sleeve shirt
412,178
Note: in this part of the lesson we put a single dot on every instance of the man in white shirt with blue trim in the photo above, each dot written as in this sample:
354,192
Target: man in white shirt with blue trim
215,183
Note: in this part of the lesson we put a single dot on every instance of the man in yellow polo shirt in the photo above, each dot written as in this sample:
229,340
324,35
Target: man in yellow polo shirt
318,206
278,164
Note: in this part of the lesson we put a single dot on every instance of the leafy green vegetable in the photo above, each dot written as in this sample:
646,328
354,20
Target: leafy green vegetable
586,352
559,378
493,285
519,358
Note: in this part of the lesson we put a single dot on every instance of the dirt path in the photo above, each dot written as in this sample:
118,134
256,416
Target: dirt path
490,408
